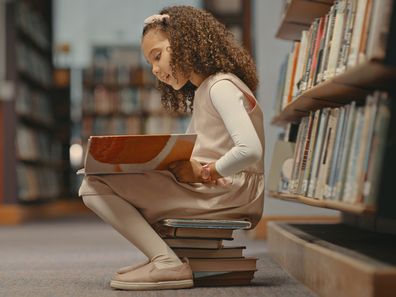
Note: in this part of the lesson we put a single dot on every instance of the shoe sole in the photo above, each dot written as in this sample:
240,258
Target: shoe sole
181,284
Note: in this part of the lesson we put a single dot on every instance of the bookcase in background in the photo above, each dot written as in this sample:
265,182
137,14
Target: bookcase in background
236,15
34,131
120,96
344,60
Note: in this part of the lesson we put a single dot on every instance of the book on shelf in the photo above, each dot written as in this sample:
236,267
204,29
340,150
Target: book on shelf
120,154
224,252
194,243
352,32
343,153
223,265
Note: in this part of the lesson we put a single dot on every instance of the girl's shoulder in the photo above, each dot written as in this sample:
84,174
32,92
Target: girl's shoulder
214,78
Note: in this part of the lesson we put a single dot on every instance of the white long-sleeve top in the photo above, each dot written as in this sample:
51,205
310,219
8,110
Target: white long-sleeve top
231,104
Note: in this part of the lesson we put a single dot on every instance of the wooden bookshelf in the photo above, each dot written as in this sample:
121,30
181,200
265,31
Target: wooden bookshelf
353,85
336,205
354,258
335,259
298,15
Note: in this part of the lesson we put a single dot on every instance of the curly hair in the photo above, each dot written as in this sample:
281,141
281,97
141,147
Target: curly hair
202,44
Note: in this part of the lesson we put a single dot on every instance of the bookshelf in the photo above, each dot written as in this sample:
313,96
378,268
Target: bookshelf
236,15
34,162
362,244
120,96
299,15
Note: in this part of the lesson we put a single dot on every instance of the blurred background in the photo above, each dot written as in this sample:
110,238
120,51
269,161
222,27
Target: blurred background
70,69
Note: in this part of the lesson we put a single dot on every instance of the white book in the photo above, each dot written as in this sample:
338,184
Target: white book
307,173
300,63
305,152
347,35
293,185
318,151
353,157
326,153
287,80
329,187
370,118
343,164
337,39
327,45
357,32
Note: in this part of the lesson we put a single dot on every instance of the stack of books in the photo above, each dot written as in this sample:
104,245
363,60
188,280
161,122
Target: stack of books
212,262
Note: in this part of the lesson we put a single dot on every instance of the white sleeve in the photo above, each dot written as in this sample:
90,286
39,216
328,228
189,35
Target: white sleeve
229,103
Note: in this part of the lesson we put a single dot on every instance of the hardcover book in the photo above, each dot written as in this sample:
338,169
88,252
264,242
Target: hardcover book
118,154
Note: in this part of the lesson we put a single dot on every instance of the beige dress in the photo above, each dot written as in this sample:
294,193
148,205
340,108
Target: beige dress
158,195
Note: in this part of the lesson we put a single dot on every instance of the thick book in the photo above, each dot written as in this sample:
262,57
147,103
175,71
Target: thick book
206,224
236,278
117,154
225,252
177,232
235,264
194,243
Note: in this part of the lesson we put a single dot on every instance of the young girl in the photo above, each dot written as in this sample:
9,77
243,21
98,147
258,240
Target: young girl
199,66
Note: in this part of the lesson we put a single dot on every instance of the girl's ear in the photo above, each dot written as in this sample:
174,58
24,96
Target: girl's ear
168,48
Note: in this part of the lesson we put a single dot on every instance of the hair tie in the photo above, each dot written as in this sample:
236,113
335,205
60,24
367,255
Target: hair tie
155,18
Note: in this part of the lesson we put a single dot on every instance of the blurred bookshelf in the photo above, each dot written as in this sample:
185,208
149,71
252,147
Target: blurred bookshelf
236,15
35,136
120,96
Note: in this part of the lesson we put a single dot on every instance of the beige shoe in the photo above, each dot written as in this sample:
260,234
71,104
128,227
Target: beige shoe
149,277
131,267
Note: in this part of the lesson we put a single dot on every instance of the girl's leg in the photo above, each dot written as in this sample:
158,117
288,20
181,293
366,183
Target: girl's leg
128,221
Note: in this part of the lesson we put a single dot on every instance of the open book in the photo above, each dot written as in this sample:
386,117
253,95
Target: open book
117,154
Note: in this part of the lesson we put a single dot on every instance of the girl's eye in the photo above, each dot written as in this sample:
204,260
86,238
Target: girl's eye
157,56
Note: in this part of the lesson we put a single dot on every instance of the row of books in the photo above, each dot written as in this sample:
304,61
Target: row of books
353,31
104,100
163,124
36,145
31,63
114,125
213,262
36,183
123,74
33,104
118,124
32,24
339,151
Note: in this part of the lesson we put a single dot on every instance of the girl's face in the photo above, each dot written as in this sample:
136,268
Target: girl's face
157,51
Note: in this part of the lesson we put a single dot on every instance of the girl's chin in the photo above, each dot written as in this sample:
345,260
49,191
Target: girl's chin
177,86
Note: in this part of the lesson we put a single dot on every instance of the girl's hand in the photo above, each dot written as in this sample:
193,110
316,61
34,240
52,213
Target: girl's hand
186,171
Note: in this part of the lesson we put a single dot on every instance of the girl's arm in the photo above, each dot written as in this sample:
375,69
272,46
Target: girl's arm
229,102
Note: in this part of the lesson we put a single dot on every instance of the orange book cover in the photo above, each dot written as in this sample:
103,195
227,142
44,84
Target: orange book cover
117,154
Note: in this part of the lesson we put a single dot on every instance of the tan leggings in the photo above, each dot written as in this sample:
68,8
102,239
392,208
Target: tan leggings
128,221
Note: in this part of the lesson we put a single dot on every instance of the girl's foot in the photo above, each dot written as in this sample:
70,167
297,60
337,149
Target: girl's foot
149,277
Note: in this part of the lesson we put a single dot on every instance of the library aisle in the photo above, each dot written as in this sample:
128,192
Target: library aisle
73,71
75,257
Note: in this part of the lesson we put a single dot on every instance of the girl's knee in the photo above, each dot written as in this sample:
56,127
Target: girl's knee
89,201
